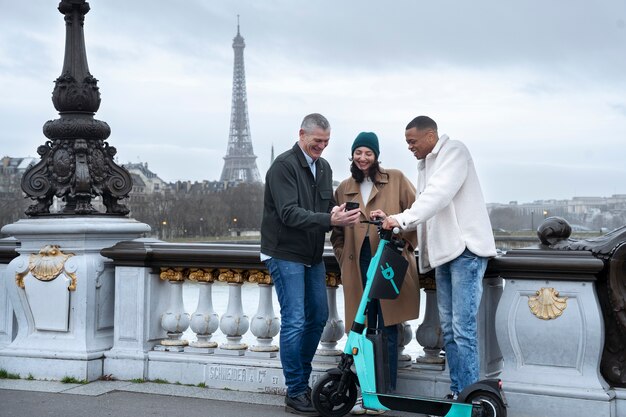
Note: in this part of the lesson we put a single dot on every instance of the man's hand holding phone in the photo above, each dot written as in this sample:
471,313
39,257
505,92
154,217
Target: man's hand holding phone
344,216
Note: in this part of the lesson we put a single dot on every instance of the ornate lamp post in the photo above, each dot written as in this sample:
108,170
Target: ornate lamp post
76,163
64,289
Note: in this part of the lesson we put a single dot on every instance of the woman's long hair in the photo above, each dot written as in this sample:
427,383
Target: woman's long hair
359,176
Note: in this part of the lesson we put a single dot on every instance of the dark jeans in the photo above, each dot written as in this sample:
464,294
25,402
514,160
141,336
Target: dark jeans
375,317
301,292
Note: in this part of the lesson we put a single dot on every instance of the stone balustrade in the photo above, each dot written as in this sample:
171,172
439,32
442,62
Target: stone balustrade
545,322
147,342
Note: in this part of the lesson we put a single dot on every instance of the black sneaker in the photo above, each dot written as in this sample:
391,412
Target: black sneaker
300,405
453,396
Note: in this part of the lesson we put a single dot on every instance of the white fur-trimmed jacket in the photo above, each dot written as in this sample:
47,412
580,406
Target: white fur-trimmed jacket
450,212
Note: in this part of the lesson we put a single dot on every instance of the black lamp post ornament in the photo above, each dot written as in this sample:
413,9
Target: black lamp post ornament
76,163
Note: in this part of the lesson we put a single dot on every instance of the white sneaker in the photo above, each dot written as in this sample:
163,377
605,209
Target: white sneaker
358,409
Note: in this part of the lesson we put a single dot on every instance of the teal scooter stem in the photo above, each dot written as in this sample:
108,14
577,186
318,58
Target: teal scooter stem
335,393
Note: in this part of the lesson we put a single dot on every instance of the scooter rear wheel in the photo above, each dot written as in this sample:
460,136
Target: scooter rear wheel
491,404
328,400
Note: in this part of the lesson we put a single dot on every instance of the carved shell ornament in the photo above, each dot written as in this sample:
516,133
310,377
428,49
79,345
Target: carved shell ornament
48,264
547,304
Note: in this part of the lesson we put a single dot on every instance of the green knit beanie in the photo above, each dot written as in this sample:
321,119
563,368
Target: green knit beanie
367,139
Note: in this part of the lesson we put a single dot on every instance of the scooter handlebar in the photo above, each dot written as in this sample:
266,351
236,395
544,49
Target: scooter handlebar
379,222
383,233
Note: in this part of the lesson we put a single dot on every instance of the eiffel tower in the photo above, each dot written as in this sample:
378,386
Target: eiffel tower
240,161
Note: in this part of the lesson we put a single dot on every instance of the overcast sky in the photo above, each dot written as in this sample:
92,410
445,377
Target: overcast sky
535,88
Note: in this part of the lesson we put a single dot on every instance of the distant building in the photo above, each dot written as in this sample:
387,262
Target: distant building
11,171
16,165
582,212
198,188
147,181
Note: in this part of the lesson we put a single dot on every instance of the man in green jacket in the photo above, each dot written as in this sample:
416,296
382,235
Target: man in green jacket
298,210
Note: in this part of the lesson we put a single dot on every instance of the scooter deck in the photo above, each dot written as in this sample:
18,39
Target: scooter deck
424,405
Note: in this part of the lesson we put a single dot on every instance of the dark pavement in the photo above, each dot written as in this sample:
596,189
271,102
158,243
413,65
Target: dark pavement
23,398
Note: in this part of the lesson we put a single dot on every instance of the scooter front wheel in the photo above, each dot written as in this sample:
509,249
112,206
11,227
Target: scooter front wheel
489,404
331,400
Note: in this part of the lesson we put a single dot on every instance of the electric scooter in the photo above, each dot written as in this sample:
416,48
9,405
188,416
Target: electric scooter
335,393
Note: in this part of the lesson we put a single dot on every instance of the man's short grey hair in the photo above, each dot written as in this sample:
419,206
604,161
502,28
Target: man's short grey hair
314,120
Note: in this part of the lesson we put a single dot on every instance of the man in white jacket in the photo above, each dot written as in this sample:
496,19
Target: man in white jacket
454,237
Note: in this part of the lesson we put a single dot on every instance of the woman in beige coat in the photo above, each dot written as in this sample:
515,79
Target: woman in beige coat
374,187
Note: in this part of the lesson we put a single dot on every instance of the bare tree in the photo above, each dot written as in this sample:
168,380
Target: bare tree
201,214
13,203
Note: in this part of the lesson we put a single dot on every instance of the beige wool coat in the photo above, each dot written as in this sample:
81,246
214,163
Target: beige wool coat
392,192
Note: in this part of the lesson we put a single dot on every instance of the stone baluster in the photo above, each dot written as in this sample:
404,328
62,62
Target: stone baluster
428,333
175,320
334,329
405,334
265,325
205,321
234,323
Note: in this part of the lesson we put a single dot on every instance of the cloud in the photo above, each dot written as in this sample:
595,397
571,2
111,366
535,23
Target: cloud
536,89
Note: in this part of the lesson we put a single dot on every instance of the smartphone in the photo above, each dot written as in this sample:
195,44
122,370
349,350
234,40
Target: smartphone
351,205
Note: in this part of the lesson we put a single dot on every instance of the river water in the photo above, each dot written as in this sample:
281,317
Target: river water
250,301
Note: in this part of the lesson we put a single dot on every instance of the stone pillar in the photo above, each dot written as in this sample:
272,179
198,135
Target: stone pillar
334,328
428,334
175,320
550,331
265,324
140,299
62,291
205,321
234,323
404,338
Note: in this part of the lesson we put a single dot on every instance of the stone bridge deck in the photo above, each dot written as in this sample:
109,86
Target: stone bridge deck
130,399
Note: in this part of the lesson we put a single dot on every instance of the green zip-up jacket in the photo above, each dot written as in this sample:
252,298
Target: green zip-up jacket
296,208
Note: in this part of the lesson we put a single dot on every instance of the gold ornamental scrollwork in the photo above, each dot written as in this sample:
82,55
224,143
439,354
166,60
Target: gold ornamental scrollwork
19,279
202,274
231,276
259,277
172,274
45,266
72,286
333,279
546,304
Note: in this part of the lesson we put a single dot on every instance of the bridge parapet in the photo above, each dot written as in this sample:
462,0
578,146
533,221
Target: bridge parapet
145,261
548,319
552,325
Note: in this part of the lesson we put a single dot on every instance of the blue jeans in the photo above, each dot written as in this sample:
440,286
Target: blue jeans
375,318
301,292
459,289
